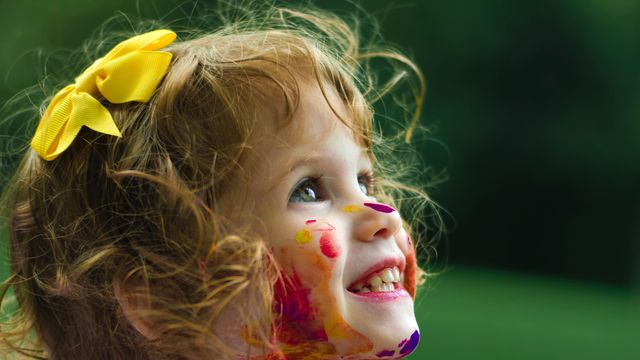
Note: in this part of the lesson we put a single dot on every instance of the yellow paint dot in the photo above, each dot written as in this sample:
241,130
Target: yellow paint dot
303,236
351,208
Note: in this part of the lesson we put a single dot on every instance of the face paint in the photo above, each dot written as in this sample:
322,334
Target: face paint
309,222
351,208
310,324
380,207
328,247
408,345
303,237
385,353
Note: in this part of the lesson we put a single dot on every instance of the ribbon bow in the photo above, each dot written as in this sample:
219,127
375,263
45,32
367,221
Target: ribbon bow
131,71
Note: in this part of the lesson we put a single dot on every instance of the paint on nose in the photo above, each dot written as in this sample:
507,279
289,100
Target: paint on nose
351,208
380,207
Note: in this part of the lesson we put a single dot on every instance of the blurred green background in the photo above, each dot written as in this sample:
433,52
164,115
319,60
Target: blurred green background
537,104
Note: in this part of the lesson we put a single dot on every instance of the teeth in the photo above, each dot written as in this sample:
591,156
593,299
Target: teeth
385,280
387,275
375,282
396,274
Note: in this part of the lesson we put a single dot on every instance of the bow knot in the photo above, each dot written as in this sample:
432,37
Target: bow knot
131,71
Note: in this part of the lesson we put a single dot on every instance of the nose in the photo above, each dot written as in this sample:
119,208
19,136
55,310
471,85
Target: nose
376,220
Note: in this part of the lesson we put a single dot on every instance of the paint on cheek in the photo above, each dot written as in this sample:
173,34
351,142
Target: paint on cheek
380,207
408,345
328,247
385,353
410,279
296,315
351,208
303,236
310,221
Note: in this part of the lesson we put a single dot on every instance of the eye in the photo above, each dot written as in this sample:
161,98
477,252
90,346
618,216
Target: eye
307,190
366,183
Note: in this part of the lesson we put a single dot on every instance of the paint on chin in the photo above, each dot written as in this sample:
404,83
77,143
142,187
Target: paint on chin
410,344
385,353
328,247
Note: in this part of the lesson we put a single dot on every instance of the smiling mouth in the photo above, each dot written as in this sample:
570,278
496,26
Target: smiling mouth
387,280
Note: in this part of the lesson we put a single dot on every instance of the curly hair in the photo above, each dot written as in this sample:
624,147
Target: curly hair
143,210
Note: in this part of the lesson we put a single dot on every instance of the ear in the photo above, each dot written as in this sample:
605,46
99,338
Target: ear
133,307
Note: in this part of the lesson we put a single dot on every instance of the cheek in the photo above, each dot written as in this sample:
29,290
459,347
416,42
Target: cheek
328,246
410,274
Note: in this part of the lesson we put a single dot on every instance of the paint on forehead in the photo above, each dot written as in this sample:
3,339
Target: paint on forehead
385,353
303,236
310,221
351,208
328,247
408,345
380,207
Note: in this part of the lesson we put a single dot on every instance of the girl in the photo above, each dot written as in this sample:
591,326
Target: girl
215,198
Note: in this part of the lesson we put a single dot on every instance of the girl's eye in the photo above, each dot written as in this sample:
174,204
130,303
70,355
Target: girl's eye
366,181
308,190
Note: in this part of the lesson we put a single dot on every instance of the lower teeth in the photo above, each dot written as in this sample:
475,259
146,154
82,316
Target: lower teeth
383,288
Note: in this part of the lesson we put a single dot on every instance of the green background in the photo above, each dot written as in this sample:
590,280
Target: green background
534,110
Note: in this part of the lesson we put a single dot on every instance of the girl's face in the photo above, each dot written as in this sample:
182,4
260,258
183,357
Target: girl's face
346,259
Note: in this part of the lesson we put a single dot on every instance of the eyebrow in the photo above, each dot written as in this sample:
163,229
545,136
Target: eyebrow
315,157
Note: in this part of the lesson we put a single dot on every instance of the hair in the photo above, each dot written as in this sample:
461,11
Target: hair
143,210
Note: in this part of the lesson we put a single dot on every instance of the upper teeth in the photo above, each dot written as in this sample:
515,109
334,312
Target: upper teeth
384,280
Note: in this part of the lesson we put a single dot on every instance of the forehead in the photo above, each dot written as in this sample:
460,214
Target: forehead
315,129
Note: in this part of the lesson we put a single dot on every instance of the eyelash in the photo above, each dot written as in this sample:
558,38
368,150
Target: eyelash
318,187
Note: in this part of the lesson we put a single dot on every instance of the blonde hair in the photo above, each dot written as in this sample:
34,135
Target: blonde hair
143,209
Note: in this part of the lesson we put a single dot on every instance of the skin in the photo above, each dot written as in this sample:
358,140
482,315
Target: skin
325,244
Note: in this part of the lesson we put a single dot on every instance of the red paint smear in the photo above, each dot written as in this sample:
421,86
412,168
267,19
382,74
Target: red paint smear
328,248
410,274
309,222
291,302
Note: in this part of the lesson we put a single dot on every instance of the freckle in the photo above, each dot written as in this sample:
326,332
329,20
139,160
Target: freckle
328,248
303,236
351,208
380,207
310,221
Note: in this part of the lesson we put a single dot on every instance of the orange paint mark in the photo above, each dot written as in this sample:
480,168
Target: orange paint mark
410,277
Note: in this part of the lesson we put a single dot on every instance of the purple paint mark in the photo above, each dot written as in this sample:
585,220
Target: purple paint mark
309,222
410,345
380,207
409,241
385,353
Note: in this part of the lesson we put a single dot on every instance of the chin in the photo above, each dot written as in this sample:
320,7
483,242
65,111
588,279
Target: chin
387,319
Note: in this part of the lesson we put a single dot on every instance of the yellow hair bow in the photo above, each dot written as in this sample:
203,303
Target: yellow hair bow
131,71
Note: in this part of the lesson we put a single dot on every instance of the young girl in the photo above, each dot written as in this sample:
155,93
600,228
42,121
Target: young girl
215,198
